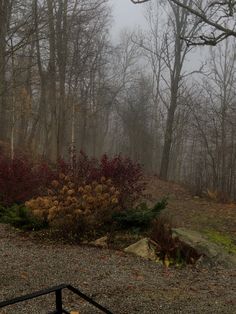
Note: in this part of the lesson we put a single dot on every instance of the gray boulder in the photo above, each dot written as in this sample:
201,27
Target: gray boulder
213,253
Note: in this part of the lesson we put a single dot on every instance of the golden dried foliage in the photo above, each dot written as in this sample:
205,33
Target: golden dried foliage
68,204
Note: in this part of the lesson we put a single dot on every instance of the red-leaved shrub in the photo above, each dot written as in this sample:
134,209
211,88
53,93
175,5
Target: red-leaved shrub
126,175
21,179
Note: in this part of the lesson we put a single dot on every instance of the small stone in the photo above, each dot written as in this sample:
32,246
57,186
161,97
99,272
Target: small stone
101,242
142,248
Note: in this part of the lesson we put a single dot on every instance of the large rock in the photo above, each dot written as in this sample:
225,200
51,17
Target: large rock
213,253
142,248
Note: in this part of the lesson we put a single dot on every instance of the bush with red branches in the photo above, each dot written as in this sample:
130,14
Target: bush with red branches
21,179
126,175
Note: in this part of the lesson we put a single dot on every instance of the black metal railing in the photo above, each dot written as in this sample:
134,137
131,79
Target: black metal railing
58,292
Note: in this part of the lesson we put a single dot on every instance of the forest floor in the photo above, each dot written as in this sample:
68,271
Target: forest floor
199,214
124,283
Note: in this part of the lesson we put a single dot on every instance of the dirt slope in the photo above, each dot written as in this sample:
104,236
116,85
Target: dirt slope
188,211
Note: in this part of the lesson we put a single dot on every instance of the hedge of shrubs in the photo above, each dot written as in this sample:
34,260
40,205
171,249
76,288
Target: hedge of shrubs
86,199
21,178
88,196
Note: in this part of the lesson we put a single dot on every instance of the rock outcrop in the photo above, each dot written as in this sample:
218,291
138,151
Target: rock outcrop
213,253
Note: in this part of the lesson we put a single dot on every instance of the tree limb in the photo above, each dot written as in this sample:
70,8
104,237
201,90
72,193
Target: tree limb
213,38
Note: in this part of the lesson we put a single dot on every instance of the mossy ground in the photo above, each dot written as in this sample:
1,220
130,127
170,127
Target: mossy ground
221,239
196,213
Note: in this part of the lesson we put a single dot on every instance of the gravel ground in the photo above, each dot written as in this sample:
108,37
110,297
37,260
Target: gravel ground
123,283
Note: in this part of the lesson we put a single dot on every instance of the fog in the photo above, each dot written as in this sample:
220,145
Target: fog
130,17
71,81
126,15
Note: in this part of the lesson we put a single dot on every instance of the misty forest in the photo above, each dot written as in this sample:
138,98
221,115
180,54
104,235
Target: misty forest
64,83
124,142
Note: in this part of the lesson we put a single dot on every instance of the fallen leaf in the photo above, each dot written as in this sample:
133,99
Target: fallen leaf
166,262
24,275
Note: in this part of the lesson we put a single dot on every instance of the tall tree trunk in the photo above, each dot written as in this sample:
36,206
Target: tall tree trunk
41,129
52,98
62,40
5,7
165,160
180,27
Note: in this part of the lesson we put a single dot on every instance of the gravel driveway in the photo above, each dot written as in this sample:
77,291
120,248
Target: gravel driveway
123,283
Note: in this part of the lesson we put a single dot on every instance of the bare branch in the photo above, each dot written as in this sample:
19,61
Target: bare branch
220,31
139,1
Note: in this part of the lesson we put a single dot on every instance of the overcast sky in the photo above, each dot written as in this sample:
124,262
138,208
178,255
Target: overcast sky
126,14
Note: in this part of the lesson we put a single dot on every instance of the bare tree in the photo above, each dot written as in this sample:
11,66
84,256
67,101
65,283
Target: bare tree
174,55
5,14
208,140
218,16
215,118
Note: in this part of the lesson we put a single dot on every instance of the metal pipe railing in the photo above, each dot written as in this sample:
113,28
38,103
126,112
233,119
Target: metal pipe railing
59,304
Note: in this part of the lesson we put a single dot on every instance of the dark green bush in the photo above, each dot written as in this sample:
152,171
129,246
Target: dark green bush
2,211
20,217
140,217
